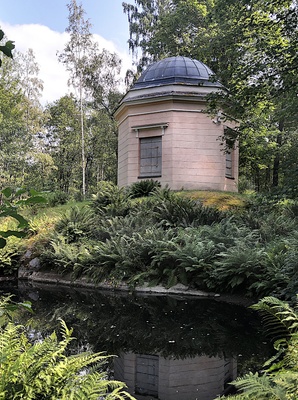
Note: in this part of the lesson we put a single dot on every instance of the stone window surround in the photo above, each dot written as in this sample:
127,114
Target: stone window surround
162,125
137,129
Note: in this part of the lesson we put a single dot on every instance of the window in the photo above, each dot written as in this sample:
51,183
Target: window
147,371
229,164
230,136
150,157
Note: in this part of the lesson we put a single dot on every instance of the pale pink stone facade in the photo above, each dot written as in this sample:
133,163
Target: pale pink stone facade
192,154
200,377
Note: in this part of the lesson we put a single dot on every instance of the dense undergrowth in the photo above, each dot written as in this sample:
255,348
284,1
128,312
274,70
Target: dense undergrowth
163,237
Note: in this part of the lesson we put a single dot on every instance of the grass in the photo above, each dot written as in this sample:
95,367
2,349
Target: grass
42,220
51,212
220,200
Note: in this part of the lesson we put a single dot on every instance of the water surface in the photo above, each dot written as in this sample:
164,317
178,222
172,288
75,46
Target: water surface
167,347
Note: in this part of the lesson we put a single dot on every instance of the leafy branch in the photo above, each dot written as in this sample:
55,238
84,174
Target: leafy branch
11,202
7,48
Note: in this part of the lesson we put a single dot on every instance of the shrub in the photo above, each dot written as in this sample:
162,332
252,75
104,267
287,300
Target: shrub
173,210
10,254
184,259
57,198
124,255
65,257
105,194
237,268
143,188
76,223
10,257
110,200
289,208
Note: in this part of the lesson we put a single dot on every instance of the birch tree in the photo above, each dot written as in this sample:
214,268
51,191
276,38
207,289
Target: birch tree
77,51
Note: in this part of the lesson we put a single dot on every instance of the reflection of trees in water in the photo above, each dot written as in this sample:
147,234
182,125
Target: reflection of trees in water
165,325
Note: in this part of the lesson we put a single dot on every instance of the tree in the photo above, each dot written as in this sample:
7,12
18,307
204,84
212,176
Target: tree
14,142
32,88
262,41
252,48
7,48
95,75
21,117
102,82
169,28
101,154
63,143
143,18
76,53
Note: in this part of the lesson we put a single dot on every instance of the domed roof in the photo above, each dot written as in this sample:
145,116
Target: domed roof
175,70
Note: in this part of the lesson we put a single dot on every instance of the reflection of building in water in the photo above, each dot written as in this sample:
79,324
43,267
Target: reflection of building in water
150,376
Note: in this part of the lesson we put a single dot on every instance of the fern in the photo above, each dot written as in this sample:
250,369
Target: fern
280,380
76,223
259,387
43,370
279,318
143,188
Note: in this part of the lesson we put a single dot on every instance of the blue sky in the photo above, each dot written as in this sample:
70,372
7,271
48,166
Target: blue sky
40,25
106,16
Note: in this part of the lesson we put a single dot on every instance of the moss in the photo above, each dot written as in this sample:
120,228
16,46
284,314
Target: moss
220,200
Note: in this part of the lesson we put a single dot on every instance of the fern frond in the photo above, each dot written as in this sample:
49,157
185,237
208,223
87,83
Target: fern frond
259,387
278,317
43,370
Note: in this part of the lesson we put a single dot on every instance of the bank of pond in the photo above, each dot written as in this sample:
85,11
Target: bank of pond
146,235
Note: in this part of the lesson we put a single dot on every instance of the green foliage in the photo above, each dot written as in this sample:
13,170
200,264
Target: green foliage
279,380
62,142
14,226
76,223
95,76
143,188
110,200
9,309
173,210
10,256
7,48
20,117
11,202
43,370
126,255
65,257
237,266
105,193
168,238
57,198
185,259
248,50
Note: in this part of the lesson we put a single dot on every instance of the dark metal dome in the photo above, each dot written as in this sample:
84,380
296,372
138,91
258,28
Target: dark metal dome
177,70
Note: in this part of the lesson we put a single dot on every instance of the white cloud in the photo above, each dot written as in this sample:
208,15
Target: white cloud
45,43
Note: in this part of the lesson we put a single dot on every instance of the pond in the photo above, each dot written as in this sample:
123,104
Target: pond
167,347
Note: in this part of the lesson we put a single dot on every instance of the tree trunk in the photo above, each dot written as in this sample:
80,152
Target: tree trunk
82,143
276,162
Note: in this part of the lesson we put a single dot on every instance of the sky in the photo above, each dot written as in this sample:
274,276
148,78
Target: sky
40,25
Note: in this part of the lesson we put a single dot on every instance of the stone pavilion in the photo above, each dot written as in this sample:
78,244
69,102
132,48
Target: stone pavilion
165,133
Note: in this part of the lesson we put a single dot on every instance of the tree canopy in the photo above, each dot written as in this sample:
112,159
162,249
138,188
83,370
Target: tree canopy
252,49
